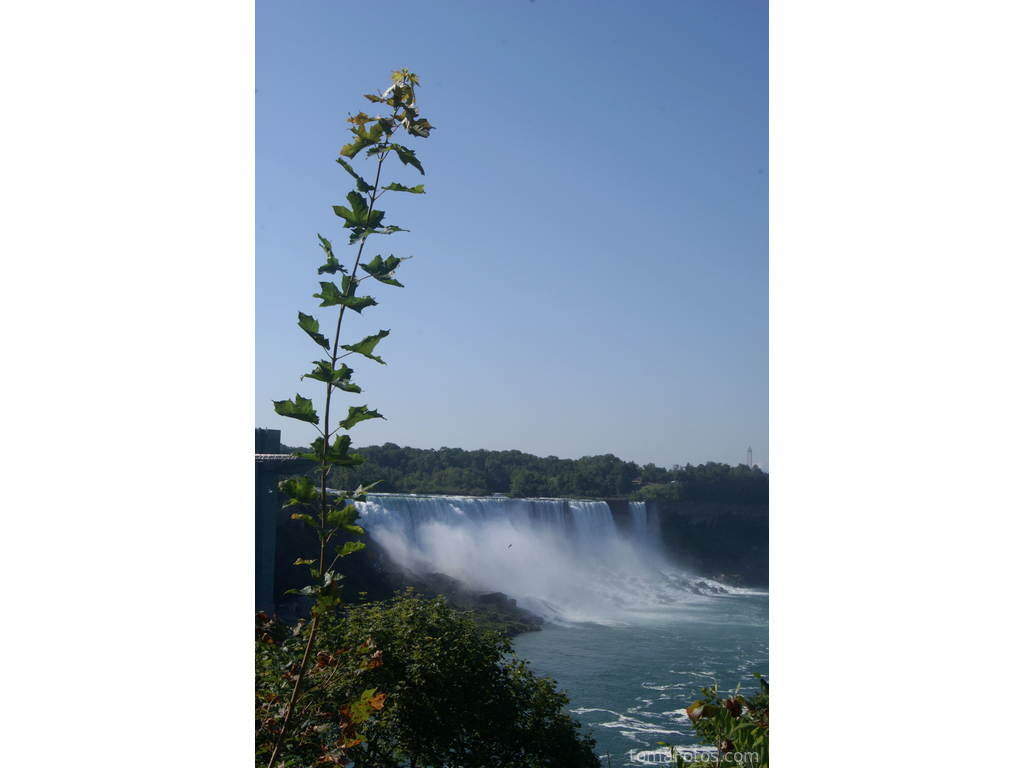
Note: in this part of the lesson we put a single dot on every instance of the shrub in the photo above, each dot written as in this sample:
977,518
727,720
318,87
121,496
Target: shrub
456,697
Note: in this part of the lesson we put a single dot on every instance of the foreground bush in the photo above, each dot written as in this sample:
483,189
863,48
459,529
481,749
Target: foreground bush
454,696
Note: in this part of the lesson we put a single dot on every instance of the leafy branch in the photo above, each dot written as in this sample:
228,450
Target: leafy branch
736,726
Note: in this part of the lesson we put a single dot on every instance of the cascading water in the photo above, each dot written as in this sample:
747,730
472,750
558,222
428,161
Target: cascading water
565,560
638,515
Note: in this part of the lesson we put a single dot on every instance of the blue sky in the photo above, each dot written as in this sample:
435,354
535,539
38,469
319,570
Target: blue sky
591,256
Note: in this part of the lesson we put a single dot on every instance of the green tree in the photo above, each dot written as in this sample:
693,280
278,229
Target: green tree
526,484
456,697
652,474
483,472
624,477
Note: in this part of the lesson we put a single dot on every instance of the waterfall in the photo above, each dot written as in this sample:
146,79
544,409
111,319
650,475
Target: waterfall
638,516
565,560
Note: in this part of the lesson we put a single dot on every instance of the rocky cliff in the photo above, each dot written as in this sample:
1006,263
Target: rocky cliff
715,540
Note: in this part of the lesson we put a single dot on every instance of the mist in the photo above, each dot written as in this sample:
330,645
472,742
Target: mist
566,561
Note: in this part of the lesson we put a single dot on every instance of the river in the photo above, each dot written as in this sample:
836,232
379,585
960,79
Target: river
630,681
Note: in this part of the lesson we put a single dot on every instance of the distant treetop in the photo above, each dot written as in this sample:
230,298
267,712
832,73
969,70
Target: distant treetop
455,471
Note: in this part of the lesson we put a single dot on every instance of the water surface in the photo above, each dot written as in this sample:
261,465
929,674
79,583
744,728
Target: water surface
630,681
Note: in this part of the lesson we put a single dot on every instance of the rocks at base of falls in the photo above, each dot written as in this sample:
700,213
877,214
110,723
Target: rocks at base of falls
491,610
703,588
495,598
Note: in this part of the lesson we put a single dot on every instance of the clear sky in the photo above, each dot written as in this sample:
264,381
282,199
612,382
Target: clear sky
591,254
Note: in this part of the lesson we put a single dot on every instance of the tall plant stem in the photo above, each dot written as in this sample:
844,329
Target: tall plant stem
315,623
295,691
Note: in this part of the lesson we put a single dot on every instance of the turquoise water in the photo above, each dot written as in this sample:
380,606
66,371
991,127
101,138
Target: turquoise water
630,681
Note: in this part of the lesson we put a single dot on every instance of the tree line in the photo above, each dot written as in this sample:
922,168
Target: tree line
455,471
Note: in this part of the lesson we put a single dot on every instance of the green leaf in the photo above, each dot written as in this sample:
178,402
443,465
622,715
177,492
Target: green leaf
332,266
384,269
312,327
419,128
388,124
360,208
346,214
331,578
349,547
360,217
326,245
336,454
361,119
376,130
359,303
306,519
407,156
336,377
363,139
367,345
301,409
325,603
329,295
355,415
360,235
361,184
396,187
764,683
414,124
344,518
351,150
299,491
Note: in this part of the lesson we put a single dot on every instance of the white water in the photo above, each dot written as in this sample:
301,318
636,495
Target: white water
566,561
